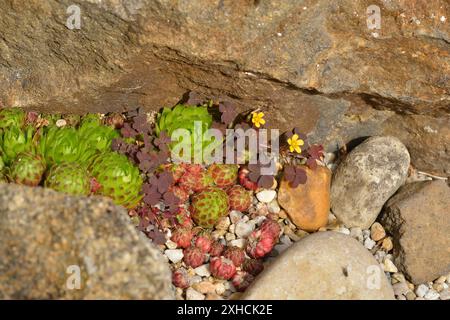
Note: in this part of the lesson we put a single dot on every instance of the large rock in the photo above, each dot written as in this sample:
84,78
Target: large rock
308,205
47,239
369,175
311,64
418,217
324,265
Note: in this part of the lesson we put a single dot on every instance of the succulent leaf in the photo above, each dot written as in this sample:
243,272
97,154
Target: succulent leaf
69,178
12,117
119,178
27,169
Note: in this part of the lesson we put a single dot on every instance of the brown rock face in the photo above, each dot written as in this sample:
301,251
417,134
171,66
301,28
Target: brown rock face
418,217
308,205
311,64
54,246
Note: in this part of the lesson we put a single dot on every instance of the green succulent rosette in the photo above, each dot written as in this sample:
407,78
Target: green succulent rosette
12,117
14,140
195,119
97,138
27,169
70,178
59,145
119,179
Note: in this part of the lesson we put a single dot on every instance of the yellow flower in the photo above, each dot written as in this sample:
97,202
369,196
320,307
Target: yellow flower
257,119
294,143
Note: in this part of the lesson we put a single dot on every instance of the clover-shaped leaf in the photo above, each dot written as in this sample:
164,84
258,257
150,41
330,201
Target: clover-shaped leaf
228,111
295,175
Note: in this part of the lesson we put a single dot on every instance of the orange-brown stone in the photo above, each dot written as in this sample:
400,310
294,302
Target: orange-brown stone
308,204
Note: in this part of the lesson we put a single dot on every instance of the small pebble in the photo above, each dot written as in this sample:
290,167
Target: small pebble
441,279
170,244
235,216
377,232
192,294
366,233
217,234
203,270
369,243
431,295
61,123
223,223
357,234
174,255
387,244
445,295
274,207
220,288
243,229
421,290
438,287
232,228
230,236
401,288
410,295
204,287
399,277
389,266
266,196
240,243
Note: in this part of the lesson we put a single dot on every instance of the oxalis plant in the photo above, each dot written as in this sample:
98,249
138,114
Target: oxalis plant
134,158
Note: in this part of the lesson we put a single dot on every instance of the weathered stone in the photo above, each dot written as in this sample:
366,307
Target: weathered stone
418,217
308,204
46,238
369,175
324,265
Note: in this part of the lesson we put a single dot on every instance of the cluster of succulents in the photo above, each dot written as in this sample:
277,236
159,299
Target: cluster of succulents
66,158
132,161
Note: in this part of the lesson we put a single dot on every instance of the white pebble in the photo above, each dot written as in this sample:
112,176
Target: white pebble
266,196
243,229
195,279
61,123
344,230
240,243
369,243
235,216
274,207
192,294
421,290
431,295
174,255
445,295
203,270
